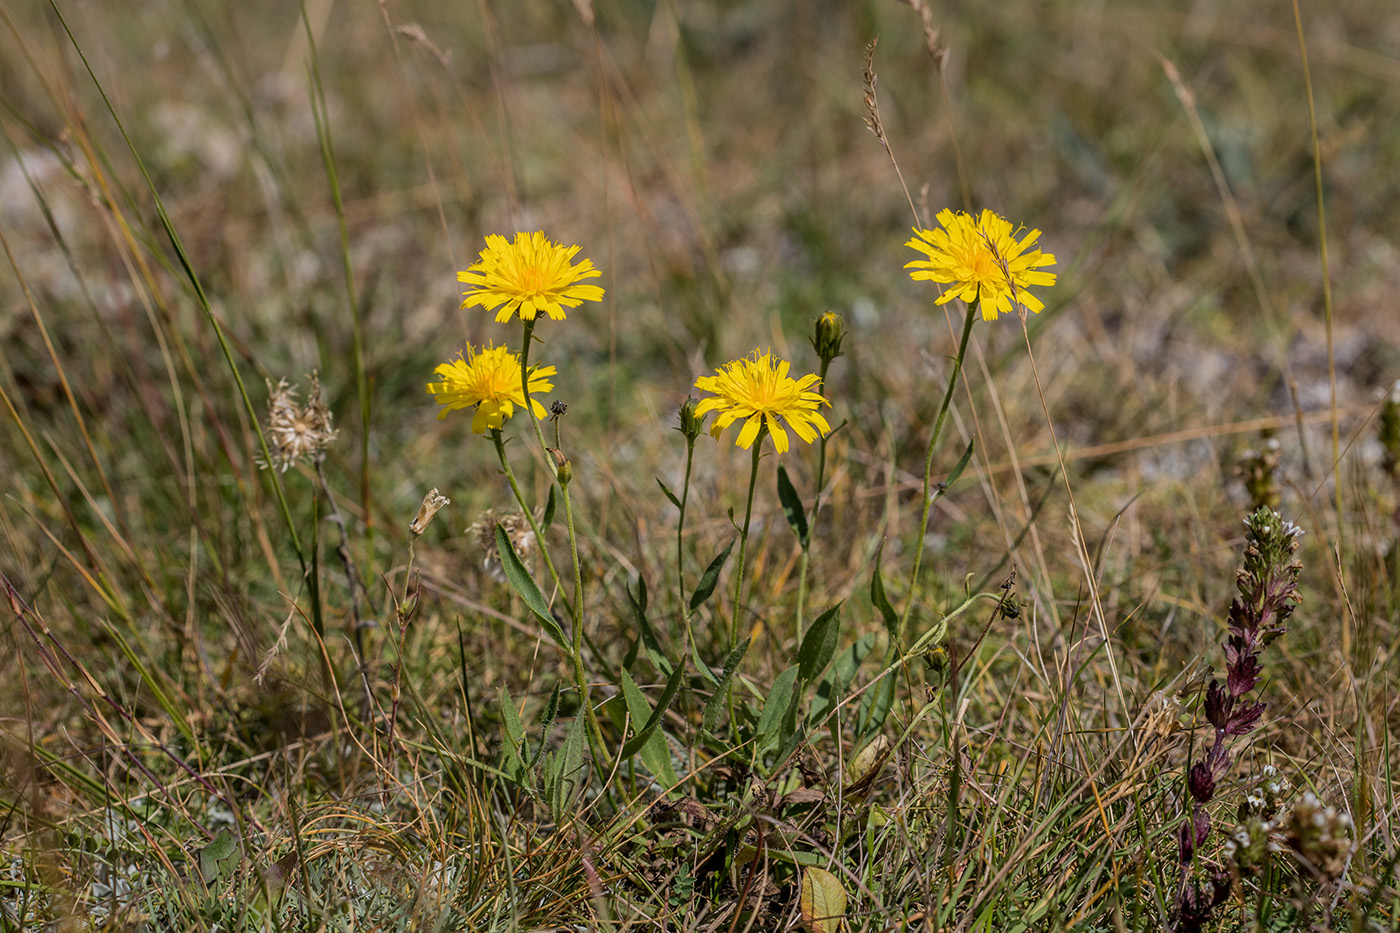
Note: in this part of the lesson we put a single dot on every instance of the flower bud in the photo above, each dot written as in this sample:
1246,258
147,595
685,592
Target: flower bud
830,331
690,425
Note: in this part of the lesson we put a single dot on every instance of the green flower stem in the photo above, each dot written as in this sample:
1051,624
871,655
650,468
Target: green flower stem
816,504
577,608
928,478
526,510
680,552
744,539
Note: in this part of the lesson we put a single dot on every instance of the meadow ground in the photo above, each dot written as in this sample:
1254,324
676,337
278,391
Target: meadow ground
238,698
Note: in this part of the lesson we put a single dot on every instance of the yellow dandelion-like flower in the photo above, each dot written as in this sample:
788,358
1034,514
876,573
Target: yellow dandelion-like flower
528,276
759,390
976,257
490,380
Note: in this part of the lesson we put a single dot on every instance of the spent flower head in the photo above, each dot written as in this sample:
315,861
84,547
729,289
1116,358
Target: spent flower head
433,502
482,535
295,431
528,276
982,261
758,390
488,379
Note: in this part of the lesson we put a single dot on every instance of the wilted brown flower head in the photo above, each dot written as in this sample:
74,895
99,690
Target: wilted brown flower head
294,431
432,502
483,535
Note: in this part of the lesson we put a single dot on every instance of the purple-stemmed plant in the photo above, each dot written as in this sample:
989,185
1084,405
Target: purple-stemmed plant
1268,592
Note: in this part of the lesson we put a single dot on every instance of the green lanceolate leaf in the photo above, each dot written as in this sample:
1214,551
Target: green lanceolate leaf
792,506
548,514
567,772
652,746
878,598
644,629
653,720
524,585
957,471
716,704
833,685
669,494
710,578
220,857
515,751
819,644
551,710
775,707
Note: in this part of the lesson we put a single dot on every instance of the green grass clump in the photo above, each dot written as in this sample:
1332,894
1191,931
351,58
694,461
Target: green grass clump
949,646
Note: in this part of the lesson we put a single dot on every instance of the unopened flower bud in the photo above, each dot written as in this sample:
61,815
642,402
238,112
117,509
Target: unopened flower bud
831,330
432,502
690,425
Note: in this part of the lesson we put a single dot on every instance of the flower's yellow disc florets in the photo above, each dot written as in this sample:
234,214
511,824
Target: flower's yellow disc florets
758,390
528,276
488,379
982,261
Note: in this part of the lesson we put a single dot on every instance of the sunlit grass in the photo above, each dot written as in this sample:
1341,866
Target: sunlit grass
948,659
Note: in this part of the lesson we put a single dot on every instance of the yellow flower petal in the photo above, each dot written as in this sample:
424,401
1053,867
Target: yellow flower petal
981,261
528,276
759,390
487,380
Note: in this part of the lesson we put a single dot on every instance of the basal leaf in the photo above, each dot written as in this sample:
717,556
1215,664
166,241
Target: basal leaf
647,741
823,901
716,703
819,644
878,598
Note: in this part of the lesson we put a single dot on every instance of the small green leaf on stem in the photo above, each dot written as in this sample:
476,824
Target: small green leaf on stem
524,585
669,494
792,506
710,578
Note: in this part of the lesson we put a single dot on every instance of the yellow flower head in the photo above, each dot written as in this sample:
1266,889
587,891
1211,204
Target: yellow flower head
759,390
529,276
976,256
490,380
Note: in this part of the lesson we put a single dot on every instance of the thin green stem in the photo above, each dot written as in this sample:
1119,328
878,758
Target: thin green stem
816,504
555,462
526,510
928,478
680,551
744,540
